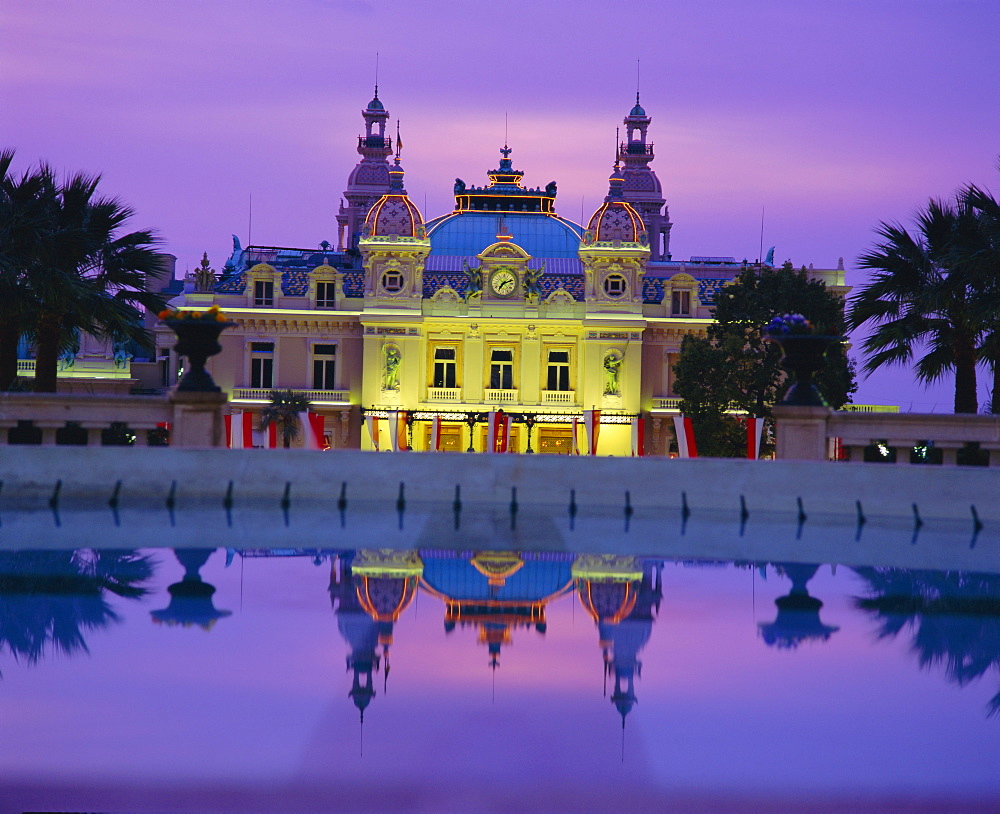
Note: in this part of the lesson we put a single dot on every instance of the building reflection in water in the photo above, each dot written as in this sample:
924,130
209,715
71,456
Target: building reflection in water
798,613
620,595
49,599
369,591
191,600
954,618
496,592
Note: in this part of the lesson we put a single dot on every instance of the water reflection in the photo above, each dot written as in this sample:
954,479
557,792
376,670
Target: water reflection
619,594
191,599
798,613
954,618
49,599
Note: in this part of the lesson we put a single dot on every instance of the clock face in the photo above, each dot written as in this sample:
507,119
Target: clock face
503,283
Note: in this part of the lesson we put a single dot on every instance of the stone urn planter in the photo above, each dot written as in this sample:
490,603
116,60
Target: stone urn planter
804,354
803,357
197,339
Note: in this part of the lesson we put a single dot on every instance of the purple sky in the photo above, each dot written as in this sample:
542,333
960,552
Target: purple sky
832,116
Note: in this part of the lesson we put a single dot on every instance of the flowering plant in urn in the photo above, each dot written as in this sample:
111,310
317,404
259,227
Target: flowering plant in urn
197,339
804,348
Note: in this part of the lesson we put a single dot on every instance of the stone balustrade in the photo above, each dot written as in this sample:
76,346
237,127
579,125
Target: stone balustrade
804,433
194,419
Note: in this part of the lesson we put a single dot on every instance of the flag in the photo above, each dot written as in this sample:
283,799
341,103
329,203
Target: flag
372,422
318,423
228,419
755,427
272,435
312,430
592,424
397,430
435,442
638,437
684,428
496,431
574,448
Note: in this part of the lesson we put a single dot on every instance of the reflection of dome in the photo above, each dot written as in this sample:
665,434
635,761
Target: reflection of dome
496,591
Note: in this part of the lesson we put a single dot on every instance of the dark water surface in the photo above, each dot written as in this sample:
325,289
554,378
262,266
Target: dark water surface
491,682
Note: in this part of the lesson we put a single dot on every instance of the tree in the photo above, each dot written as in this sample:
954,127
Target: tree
935,289
734,368
283,412
65,267
982,261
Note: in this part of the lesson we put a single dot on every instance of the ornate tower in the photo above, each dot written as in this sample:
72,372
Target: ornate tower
369,179
641,187
614,252
394,246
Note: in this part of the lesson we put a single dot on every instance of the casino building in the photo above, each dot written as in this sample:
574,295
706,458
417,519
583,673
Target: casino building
500,304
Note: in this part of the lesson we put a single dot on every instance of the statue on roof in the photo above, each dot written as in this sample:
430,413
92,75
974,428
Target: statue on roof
532,290
550,188
204,276
475,281
236,244
459,186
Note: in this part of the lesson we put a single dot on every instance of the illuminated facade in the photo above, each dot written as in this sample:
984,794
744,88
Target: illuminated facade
501,304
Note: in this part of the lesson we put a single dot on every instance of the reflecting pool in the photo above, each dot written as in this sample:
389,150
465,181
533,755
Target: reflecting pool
458,680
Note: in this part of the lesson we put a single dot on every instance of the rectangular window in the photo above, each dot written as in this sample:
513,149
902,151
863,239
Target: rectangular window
558,370
326,295
445,374
324,367
262,365
262,372
263,293
680,303
501,369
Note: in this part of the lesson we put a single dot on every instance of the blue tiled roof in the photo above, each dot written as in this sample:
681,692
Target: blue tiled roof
435,280
235,284
295,283
707,289
466,234
652,290
459,579
354,283
572,283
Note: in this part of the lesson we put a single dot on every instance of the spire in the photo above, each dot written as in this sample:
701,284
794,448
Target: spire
616,182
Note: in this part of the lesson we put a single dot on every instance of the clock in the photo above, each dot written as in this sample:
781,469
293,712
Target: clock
503,283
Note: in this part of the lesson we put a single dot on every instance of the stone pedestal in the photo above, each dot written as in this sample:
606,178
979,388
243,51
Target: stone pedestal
801,433
197,420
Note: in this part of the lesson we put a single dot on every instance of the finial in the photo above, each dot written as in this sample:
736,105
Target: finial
376,74
399,144
618,148
505,151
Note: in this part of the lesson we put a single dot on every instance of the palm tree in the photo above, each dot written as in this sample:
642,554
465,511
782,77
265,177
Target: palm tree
924,293
22,226
283,411
90,278
981,260
65,268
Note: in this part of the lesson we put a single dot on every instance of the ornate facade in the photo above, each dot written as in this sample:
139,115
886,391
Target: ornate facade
500,304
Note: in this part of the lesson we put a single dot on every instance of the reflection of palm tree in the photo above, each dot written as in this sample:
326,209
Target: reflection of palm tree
956,616
52,597
283,412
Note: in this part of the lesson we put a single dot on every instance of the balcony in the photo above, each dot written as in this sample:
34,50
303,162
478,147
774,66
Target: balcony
559,397
500,396
452,394
318,397
666,403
